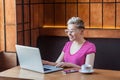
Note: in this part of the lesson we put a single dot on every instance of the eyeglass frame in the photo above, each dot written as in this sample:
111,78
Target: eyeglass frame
71,31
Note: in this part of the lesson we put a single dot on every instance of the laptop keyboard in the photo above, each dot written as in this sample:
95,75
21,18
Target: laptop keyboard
46,69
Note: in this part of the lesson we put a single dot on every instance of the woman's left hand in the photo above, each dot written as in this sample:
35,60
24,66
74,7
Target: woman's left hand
63,64
66,64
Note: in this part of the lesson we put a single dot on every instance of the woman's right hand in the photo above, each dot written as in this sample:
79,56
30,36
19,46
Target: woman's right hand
45,62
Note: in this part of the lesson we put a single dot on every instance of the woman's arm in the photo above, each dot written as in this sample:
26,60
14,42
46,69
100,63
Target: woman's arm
60,58
60,62
90,59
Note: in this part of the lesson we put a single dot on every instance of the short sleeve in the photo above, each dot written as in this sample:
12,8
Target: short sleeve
66,46
92,49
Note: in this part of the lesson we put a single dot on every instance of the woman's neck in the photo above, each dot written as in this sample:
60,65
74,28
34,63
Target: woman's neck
79,42
76,45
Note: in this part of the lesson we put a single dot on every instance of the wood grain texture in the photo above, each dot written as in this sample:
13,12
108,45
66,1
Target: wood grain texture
88,33
59,75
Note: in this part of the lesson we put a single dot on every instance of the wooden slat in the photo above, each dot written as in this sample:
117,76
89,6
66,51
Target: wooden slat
10,25
34,36
20,37
83,0
1,26
83,12
48,14
27,38
71,10
96,15
109,15
41,14
35,16
10,38
108,0
96,0
89,33
118,16
10,12
59,14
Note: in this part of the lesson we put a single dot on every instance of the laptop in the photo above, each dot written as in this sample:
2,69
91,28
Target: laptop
30,58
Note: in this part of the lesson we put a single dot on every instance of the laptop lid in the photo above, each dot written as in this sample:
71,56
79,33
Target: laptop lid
30,58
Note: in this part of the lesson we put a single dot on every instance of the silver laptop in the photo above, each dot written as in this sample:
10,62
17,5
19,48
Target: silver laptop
30,58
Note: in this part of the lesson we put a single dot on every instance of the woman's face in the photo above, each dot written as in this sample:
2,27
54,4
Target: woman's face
73,32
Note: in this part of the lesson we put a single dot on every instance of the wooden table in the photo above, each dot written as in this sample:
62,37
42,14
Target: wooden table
99,74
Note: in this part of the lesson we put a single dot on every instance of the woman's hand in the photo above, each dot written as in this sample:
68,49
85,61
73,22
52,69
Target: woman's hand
45,62
63,64
66,64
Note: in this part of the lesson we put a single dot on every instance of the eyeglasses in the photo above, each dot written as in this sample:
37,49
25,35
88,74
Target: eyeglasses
70,31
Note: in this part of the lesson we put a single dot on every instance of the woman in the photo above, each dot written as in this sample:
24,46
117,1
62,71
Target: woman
77,51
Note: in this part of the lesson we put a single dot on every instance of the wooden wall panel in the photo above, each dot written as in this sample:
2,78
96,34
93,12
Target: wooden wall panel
10,12
59,0
48,14
41,15
34,36
26,1
19,27
2,41
71,10
10,38
27,38
95,0
35,16
48,1
18,1
41,1
118,16
83,12
20,38
55,13
27,26
71,0
109,15
88,33
117,0
26,14
96,15
59,15
1,26
83,0
31,17
36,1
10,25
108,0
19,13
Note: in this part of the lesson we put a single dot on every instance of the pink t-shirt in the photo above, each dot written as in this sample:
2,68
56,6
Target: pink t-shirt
79,57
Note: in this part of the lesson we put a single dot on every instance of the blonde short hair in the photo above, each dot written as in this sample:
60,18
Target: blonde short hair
76,20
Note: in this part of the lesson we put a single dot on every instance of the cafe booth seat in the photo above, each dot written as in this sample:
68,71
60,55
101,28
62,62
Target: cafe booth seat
7,60
107,50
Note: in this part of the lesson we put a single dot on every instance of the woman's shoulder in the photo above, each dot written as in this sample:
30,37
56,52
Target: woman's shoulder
88,43
68,42
90,47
